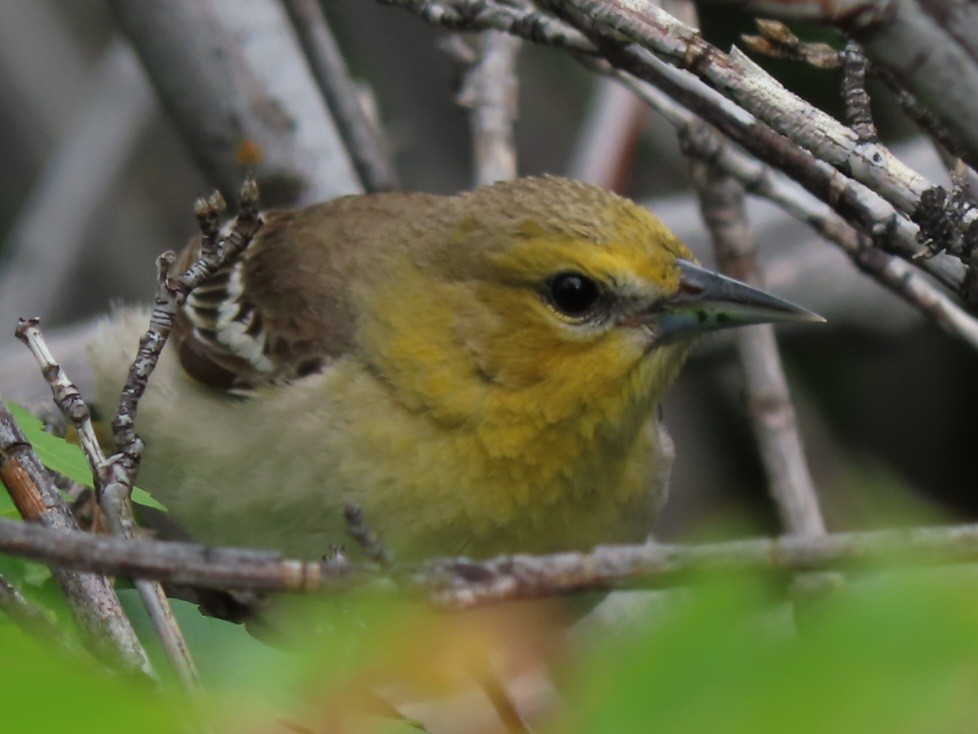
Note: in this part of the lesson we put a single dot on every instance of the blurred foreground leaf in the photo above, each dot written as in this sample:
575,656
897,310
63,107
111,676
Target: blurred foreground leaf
897,655
42,690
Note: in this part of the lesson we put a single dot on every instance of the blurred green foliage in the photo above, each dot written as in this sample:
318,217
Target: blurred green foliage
898,656
41,690
895,654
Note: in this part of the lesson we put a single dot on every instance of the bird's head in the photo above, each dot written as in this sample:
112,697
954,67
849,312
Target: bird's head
542,296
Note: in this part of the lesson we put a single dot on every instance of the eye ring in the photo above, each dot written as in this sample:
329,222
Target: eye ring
573,294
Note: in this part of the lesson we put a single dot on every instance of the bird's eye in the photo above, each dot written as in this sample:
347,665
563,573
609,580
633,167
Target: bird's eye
573,294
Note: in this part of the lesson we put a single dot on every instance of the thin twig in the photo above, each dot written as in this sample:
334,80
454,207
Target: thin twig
521,20
616,26
361,134
489,90
762,180
918,46
105,627
831,140
493,685
769,403
118,514
118,473
771,411
171,293
463,583
776,40
858,112
365,536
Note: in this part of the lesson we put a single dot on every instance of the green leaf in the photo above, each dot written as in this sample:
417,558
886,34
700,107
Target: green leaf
898,655
63,457
44,690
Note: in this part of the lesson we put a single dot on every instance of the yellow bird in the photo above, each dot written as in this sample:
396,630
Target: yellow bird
479,373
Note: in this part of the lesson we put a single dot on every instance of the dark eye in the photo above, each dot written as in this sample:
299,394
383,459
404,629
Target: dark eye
573,294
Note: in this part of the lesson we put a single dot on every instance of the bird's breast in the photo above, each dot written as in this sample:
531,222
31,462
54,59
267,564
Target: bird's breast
505,481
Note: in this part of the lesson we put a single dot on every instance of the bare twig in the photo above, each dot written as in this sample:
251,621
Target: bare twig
772,414
171,293
179,563
493,685
618,25
859,205
116,508
859,114
769,403
115,476
737,77
776,40
464,583
828,138
365,536
489,90
64,392
914,45
520,20
762,180
91,598
363,138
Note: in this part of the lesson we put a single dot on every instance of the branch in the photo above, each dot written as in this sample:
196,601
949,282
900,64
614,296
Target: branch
615,23
114,477
481,15
93,602
763,181
366,537
234,81
856,202
115,507
858,110
776,40
490,91
918,47
769,402
361,136
171,293
461,583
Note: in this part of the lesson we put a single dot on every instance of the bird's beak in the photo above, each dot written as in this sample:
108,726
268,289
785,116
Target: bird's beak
707,301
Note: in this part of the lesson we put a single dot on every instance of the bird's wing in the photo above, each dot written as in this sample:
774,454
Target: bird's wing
282,309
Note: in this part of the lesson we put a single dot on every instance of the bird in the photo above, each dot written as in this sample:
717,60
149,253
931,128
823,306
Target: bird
480,373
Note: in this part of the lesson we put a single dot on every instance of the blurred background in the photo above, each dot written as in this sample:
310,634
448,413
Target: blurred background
95,183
